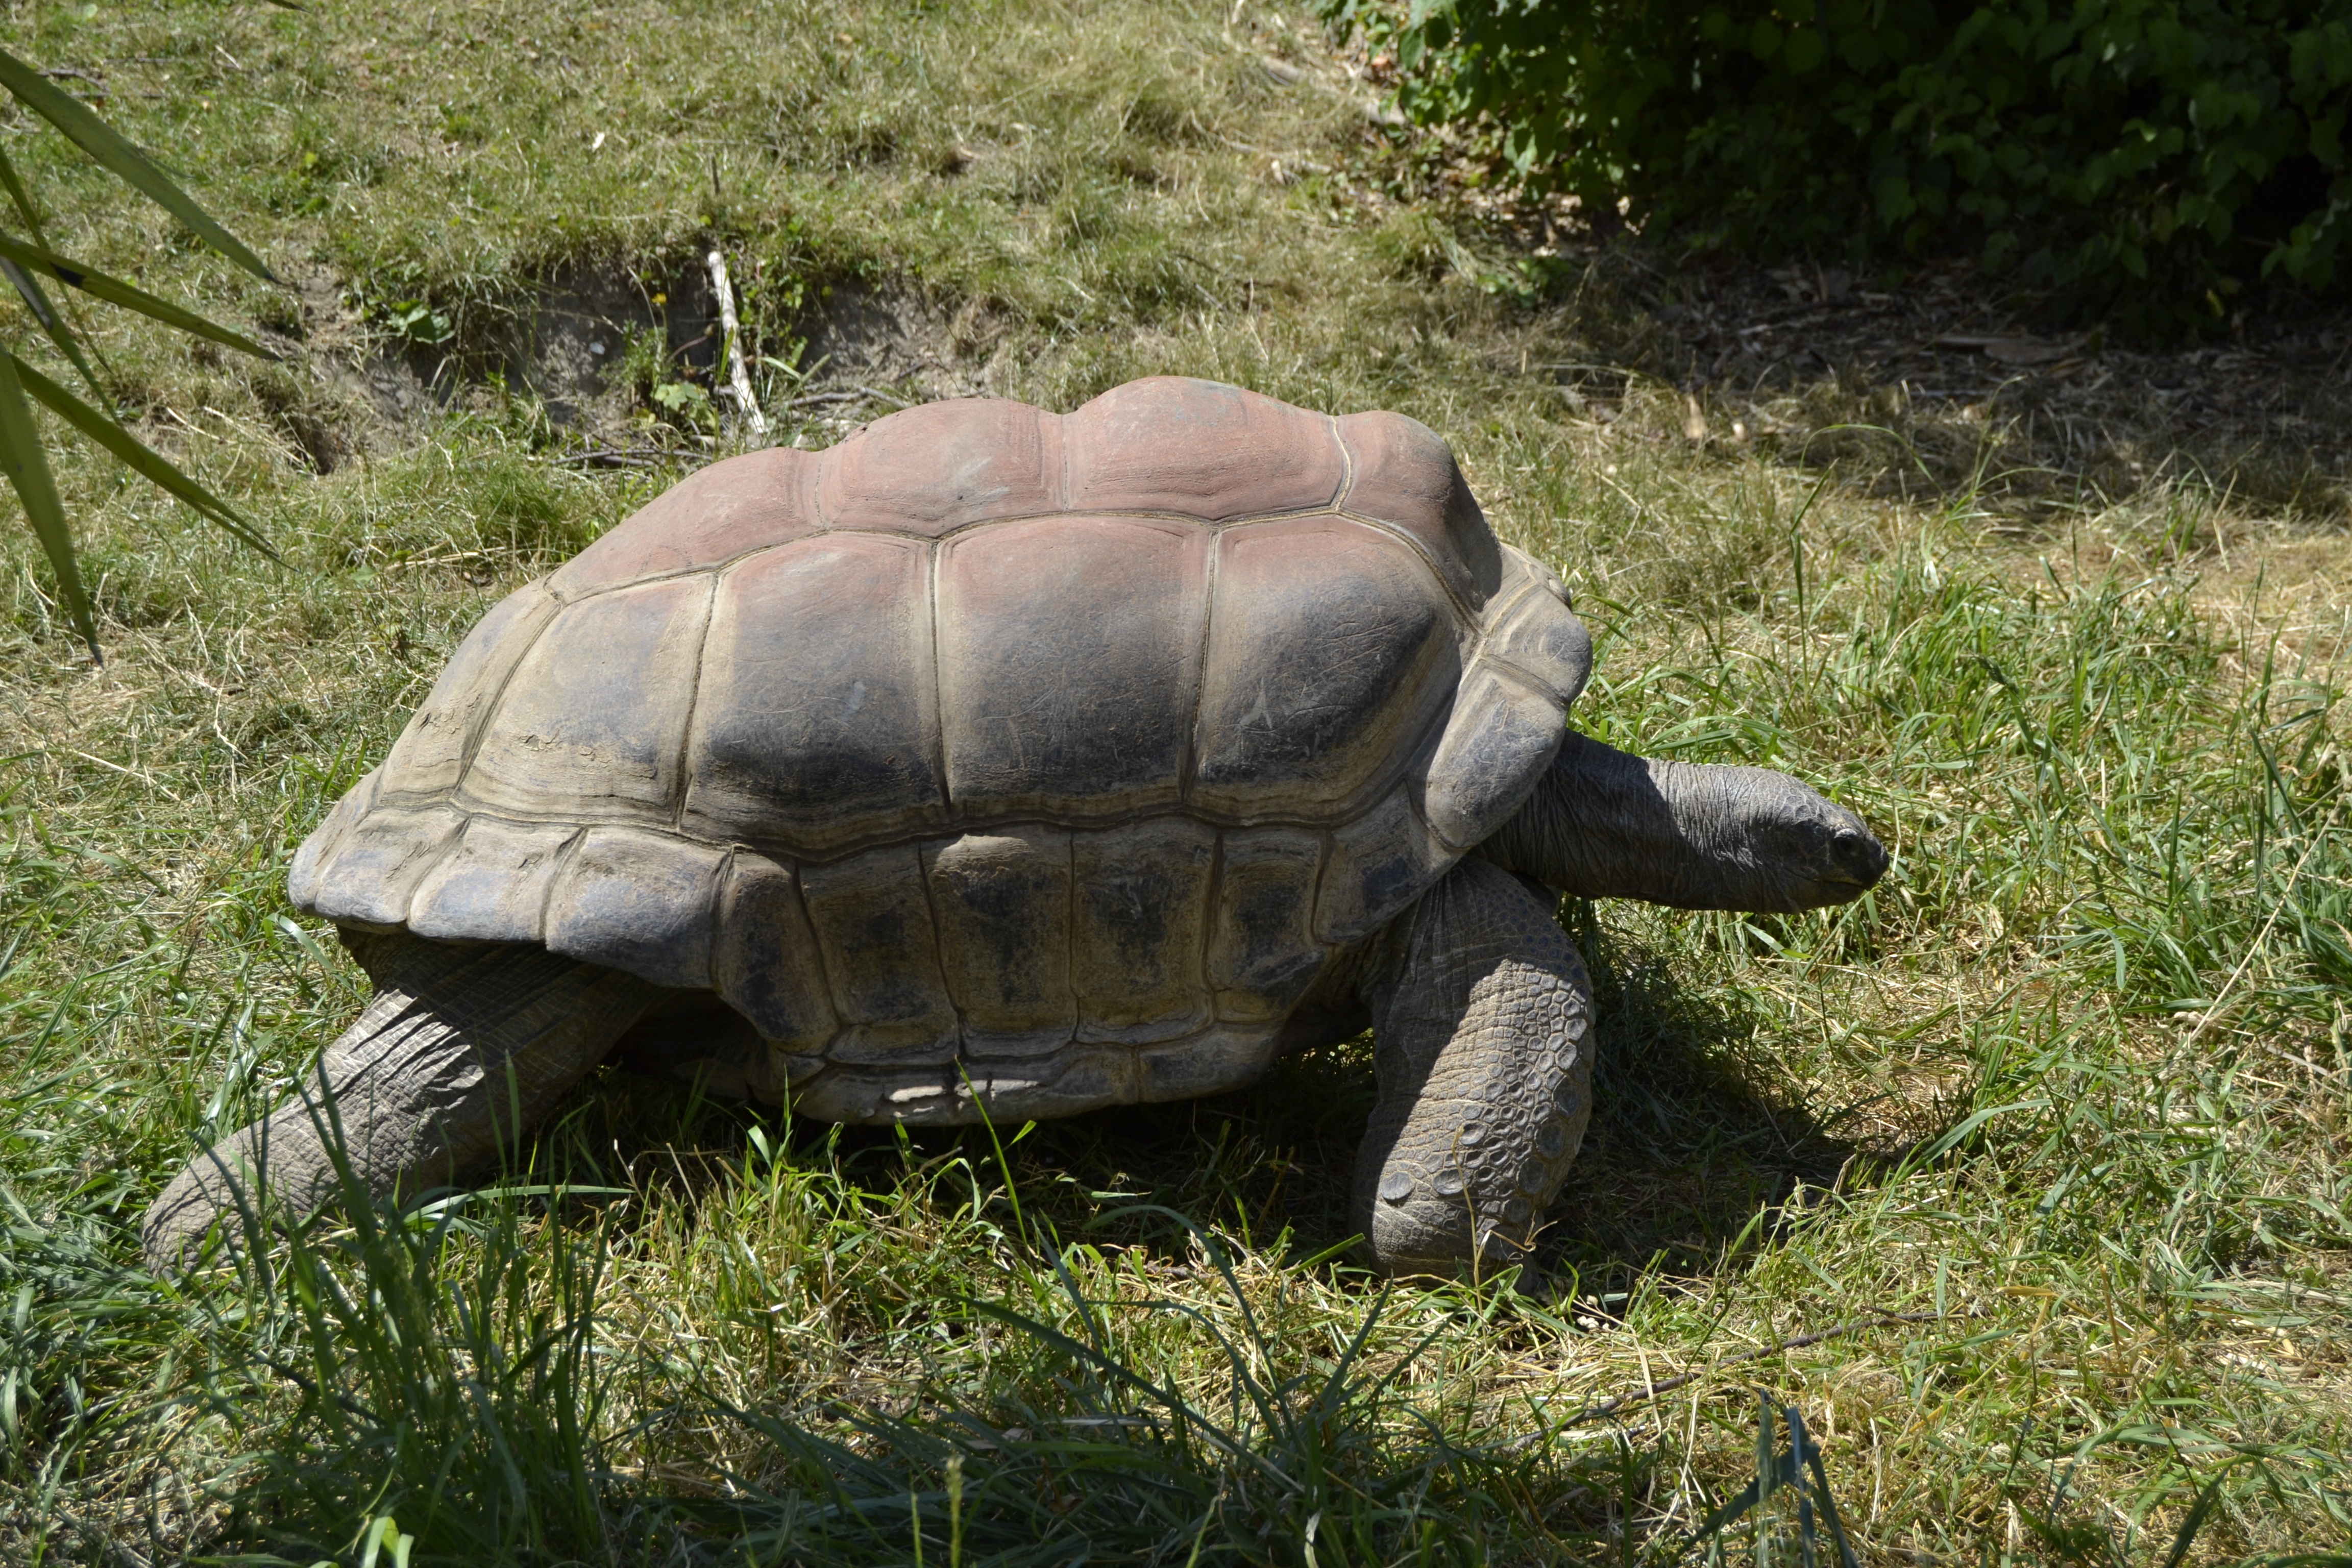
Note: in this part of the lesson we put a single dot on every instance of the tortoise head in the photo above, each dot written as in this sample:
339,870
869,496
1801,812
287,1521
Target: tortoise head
1794,848
1604,824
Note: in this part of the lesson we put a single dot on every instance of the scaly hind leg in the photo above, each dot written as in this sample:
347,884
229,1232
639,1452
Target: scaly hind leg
1483,1044
466,1047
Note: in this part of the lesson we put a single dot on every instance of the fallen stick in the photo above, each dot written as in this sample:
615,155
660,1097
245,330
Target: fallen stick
855,394
738,378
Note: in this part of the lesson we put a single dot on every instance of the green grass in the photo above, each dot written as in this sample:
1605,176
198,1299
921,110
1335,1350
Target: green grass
2055,1122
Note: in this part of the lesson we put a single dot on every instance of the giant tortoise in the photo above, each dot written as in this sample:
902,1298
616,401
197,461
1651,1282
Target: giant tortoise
997,764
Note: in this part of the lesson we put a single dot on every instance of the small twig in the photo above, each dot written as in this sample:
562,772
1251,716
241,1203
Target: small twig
738,377
620,457
855,394
64,73
1639,1395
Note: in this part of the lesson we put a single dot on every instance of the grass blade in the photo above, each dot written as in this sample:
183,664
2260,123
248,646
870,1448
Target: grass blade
2189,1526
135,454
27,468
1730,1512
106,144
115,291
1812,1458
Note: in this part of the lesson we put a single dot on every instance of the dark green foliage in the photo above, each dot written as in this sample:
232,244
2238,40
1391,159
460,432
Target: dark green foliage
2148,158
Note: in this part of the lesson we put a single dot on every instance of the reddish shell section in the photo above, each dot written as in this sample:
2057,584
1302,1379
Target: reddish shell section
1405,476
1184,447
745,503
1201,449
943,466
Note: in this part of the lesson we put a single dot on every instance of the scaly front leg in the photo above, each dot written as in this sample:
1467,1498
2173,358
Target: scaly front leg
1483,1038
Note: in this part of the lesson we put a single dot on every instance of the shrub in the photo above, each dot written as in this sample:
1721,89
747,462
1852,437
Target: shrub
2146,157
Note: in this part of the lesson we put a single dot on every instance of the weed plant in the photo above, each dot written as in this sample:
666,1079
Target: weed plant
2023,1180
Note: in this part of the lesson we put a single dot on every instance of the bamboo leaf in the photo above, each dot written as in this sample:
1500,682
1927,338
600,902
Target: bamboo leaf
117,292
106,144
27,468
137,455
22,199
37,301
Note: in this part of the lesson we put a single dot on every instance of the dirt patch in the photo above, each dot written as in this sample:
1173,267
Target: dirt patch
887,334
571,346
1950,385
861,347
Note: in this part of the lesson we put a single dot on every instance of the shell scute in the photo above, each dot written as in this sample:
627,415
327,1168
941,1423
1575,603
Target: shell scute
1501,736
1261,954
641,902
1404,474
1199,448
943,466
1002,903
492,886
1379,863
1211,1063
732,507
765,960
591,722
307,879
378,863
1545,642
872,915
1069,656
429,758
817,711
1139,916
1330,650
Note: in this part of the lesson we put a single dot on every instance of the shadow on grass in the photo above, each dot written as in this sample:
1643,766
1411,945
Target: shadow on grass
1690,1151
440,1394
1693,1149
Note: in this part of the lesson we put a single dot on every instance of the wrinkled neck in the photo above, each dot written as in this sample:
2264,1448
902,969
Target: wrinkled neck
1604,824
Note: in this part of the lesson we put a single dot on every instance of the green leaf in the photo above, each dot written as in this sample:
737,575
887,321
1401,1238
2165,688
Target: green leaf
29,288
106,144
27,468
133,453
23,199
117,292
37,301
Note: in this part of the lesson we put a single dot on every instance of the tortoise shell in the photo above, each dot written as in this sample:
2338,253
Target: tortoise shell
991,756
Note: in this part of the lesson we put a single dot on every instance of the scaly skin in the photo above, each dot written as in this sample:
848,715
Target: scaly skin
420,1083
1602,823
1483,1050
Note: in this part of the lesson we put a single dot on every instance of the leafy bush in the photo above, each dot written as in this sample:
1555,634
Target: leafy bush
2149,157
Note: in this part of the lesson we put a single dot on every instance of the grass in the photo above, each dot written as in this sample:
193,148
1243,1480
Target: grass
2048,1135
